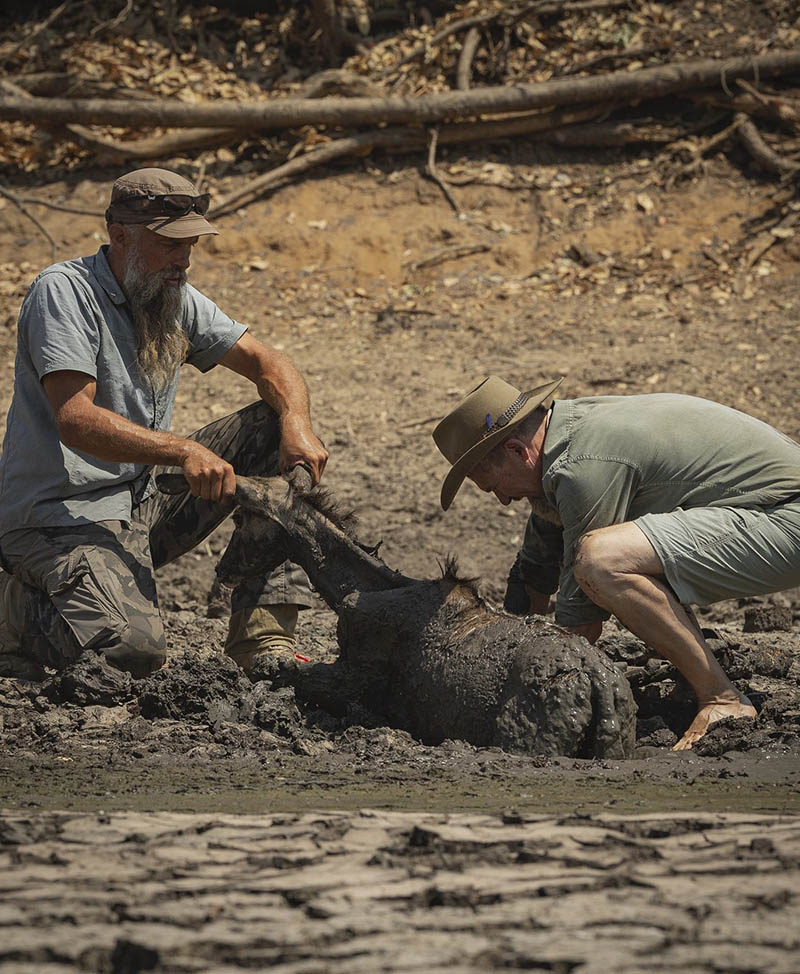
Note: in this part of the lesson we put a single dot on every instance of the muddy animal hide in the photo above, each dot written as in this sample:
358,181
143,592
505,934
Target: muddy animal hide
430,656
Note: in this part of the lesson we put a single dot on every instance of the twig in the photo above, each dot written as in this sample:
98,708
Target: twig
428,43
784,228
419,422
111,24
406,140
23,209
449,253
15,198
699,151
629,54
50,19
432,173
468,49
751,139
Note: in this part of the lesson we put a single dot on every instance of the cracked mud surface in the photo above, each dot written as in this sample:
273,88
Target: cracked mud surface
411,891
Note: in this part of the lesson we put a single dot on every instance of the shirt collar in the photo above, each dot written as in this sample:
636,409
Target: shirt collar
105,276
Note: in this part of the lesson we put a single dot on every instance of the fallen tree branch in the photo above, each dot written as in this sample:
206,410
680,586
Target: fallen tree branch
454,252
408,140
777,109
280,113
157,147
432,173
751,139
468,49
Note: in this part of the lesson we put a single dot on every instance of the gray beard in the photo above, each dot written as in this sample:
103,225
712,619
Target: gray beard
156,309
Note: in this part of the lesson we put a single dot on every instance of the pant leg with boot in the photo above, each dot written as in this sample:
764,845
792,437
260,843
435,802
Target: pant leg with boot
264,609
92,586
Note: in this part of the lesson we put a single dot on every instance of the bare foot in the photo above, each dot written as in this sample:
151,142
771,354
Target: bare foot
711,713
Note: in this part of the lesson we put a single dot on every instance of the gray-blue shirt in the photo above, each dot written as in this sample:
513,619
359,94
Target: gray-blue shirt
75,317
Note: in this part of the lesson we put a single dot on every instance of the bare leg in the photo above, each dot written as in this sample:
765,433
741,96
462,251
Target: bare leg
620,571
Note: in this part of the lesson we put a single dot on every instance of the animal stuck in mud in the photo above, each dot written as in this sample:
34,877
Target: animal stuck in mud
430,656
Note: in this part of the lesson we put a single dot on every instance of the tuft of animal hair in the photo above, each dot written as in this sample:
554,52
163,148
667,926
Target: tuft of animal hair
450,572
324,503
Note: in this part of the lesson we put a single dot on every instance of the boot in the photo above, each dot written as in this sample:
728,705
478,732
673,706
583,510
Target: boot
260,633
12,613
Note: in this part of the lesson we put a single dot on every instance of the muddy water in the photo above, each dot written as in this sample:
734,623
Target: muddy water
199,822
199,736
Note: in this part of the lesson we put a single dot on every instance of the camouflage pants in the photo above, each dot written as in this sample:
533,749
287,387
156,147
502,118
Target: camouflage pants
92,585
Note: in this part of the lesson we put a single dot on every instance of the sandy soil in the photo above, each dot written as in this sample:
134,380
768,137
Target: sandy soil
326,271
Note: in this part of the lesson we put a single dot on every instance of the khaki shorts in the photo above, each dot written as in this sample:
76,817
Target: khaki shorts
715,553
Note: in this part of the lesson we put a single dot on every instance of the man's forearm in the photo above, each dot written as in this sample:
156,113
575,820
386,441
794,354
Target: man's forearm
282,387
108,436
279,383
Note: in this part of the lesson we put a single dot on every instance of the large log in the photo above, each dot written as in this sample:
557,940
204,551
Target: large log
285,113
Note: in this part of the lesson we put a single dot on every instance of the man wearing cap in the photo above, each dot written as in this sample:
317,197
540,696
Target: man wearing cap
641,507
100,342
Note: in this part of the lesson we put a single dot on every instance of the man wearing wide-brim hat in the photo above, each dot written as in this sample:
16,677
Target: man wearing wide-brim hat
82,527
641,507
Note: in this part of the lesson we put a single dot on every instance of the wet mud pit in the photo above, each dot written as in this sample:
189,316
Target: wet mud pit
199,735
203,820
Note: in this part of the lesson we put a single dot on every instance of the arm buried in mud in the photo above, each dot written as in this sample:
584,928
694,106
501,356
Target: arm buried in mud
587,499
534,575
590,494
282,387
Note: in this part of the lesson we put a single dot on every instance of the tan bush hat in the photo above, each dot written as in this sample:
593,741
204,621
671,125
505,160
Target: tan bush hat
162,201
481,420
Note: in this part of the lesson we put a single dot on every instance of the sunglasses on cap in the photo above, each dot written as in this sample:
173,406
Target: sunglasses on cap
165,204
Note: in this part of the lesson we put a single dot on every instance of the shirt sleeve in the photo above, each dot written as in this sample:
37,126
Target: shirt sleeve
211,332
540,555
590,494
58,325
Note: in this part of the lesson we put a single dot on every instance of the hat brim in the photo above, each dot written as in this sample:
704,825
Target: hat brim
190,225
455,477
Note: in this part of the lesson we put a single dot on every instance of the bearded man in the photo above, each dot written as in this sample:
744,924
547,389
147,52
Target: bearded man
641,506
101,340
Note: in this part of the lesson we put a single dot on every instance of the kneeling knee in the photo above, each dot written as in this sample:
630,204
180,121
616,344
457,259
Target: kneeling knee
592,567
138,653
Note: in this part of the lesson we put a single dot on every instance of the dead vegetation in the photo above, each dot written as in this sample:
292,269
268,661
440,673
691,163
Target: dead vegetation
158,80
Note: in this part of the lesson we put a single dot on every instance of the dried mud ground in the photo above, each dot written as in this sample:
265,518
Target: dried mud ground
198,822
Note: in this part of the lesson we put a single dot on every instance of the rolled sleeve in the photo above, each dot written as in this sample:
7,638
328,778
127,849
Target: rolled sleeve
59,327
591,493
211,332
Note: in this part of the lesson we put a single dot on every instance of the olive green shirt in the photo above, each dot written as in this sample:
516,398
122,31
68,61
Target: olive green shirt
610,459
